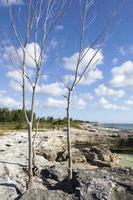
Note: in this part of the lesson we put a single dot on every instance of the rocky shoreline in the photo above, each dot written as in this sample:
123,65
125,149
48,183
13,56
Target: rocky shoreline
97,174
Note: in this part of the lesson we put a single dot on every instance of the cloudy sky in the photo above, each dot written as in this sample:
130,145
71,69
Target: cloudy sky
105,94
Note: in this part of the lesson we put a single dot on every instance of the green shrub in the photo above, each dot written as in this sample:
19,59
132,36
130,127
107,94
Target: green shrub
20,126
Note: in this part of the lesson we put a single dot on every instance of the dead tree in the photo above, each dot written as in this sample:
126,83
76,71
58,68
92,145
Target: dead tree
41,18
79,72
34,145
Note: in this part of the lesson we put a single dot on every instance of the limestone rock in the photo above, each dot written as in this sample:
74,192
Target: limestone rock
7,192
100,156
57,172
77,156
105,184
49,153
40,194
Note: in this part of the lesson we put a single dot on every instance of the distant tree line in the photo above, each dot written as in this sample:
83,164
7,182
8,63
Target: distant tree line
16,115
58,121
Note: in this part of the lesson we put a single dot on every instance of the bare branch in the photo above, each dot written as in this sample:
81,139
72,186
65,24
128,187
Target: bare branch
40,142
36,132
16,81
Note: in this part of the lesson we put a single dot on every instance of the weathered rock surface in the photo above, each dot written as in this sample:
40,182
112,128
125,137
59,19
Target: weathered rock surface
40,194
99,156
113,139
14,159
105,184
51,148
7,192
57,172
77,156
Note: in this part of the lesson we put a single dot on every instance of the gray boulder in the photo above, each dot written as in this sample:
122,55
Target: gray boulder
105,184
99,156
49,153
7,192
40,194
57,172
77,156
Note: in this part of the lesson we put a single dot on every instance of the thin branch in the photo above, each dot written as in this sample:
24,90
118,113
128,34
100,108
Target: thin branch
16,81
40,142
36,132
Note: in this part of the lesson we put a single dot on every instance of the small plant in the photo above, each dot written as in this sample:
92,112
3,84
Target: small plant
19,126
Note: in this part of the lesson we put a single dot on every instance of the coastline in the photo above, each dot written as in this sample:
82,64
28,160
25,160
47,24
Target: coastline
94,159
122,126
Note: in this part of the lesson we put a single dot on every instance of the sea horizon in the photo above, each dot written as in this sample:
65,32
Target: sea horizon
118,125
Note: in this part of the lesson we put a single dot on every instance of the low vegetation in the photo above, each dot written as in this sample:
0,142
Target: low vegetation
15,120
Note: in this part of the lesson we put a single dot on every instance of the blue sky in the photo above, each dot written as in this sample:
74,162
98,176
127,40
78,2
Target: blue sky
105,94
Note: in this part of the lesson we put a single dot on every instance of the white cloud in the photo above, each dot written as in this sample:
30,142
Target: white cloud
102,90
115,61
53,89
105,104
2,92
15,75
123,75
33,51
55,103
70,62
129,103
44,77
59,27
92,77
78,103
6,101
86,96
11,2
16,81
89,77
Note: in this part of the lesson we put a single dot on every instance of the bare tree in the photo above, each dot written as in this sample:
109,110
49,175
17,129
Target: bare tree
79,72
39,22
34,145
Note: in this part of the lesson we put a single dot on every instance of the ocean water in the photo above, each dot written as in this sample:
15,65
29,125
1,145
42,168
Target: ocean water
118,126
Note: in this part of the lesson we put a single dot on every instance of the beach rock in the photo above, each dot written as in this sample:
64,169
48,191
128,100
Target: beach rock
98,156
41,161
51,148
77,156
49,153
126,143
40,194
105,184
57,172
7,192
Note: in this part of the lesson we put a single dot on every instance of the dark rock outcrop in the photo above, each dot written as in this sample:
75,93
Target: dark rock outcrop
99,156
113,139
105,184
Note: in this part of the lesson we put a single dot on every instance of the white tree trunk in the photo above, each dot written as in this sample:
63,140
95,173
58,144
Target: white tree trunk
30,181
69,138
